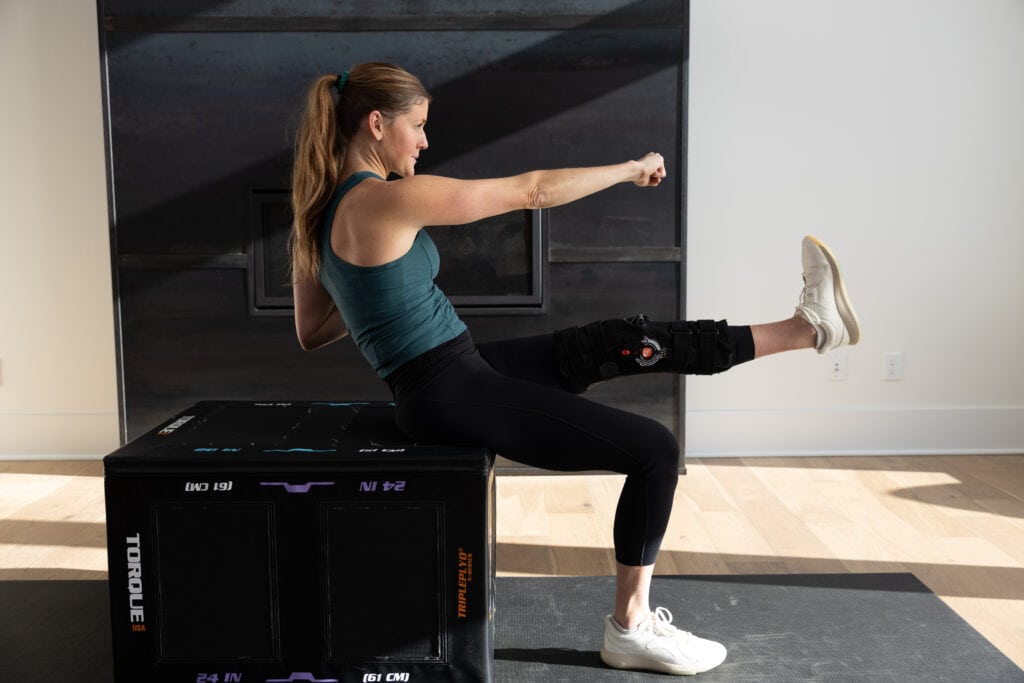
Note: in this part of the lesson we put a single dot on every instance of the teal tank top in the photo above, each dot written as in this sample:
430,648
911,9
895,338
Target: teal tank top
393,311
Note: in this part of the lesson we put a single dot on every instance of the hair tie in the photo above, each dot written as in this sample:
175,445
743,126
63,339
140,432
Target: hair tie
342,80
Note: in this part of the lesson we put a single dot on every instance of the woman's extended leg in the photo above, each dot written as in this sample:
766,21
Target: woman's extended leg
824,320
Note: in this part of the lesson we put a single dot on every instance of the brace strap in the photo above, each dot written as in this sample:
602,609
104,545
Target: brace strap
707,347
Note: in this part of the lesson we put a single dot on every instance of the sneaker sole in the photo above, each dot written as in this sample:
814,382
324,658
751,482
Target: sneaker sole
843,304
617,661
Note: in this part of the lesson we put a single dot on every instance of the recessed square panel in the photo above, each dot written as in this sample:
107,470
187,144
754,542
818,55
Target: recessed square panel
216,585
384,564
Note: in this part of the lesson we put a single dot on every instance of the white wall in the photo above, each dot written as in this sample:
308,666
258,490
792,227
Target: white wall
58,388
893,130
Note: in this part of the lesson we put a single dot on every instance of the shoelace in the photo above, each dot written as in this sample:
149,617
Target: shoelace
810,289
661,624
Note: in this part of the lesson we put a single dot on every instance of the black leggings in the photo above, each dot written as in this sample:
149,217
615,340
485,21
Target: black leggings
508,396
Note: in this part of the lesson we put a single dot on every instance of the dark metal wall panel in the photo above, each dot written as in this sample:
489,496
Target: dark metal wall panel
202,120
203,99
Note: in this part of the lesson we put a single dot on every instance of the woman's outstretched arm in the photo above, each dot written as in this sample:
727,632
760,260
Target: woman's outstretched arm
434,200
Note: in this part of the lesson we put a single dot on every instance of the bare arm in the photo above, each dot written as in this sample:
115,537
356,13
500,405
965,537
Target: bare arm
317,320
562,186
434,200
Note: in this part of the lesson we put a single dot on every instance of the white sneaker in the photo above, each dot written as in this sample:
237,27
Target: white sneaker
824,302
657,645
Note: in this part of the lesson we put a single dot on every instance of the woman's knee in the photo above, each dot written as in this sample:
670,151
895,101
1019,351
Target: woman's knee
659,451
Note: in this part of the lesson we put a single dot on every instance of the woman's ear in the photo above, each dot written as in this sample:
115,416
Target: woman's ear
376,123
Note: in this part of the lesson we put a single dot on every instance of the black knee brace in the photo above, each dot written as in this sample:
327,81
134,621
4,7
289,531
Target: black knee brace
611,348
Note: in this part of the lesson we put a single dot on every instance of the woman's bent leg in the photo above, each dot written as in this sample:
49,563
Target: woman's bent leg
554,430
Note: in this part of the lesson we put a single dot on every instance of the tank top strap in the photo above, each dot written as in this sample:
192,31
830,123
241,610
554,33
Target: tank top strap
353,180
327,218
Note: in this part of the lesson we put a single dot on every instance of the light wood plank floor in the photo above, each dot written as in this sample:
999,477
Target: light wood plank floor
956,522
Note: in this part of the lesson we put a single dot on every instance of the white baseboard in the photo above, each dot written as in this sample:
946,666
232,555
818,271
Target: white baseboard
970,430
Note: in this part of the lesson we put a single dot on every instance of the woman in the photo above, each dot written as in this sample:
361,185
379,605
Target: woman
362,264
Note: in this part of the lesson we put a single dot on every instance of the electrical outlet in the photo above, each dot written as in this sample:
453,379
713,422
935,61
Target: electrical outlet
836,368
892,367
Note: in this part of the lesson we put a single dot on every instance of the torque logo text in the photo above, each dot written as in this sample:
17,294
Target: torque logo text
135,600
174,425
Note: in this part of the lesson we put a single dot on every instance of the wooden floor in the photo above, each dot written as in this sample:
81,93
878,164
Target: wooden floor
956,522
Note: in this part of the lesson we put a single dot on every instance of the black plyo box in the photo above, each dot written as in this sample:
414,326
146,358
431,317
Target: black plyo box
299,541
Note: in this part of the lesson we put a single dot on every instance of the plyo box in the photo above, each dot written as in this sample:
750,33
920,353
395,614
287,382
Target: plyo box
299,541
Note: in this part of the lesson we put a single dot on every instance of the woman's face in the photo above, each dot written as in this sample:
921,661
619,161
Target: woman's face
406,138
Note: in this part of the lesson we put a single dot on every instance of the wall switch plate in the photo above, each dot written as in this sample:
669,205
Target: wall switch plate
837,363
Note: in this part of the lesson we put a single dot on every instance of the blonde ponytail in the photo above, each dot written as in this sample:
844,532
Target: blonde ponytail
319,153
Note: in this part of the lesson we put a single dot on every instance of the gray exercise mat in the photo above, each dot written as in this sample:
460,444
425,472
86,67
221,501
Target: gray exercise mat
831,627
